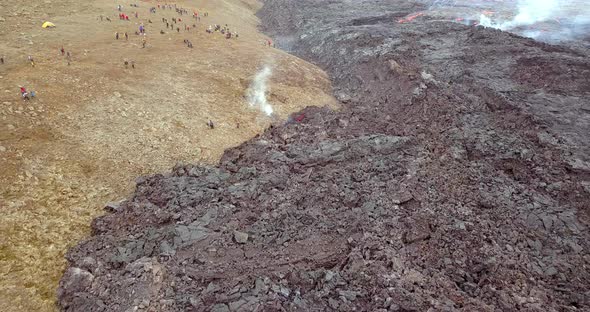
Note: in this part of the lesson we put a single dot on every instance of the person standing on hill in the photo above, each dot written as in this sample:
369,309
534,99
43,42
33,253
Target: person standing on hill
24,94
126,36
117,35
63,51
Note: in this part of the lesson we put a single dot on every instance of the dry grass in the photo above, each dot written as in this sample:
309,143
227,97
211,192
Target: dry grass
95,125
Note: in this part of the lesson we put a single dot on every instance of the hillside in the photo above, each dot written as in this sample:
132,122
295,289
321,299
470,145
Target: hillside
96,125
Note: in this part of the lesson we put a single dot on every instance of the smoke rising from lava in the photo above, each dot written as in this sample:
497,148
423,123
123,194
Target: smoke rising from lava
546,20
256,93
529,12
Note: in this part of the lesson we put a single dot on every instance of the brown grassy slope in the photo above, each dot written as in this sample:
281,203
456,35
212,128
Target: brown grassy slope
96,125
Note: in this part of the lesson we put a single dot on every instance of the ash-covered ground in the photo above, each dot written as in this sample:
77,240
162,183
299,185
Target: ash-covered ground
456,177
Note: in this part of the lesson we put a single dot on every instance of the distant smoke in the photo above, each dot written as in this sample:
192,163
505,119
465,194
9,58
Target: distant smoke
256,93
529,12
546,20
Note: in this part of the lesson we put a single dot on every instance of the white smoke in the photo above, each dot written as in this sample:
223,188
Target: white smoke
546,20
529,12
256,93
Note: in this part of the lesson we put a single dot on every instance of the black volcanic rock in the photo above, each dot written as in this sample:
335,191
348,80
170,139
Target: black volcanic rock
454,178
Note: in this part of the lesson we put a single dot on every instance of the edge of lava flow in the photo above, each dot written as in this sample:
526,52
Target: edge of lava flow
454,176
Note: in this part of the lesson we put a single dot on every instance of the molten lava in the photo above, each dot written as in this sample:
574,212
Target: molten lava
409,18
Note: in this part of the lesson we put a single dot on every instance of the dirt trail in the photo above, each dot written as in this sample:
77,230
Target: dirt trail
96,125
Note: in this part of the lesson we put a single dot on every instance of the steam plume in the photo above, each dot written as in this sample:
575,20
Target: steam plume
529,13
256,93
547,20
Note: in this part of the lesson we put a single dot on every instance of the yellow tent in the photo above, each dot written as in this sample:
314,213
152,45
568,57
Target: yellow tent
48,24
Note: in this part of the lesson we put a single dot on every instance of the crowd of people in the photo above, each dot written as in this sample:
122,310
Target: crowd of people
191,18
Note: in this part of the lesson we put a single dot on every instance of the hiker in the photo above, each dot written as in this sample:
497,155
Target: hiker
68,57
119,8
126,36
177,29
117,35
32,61
210,124
24,94
143,42
62,51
